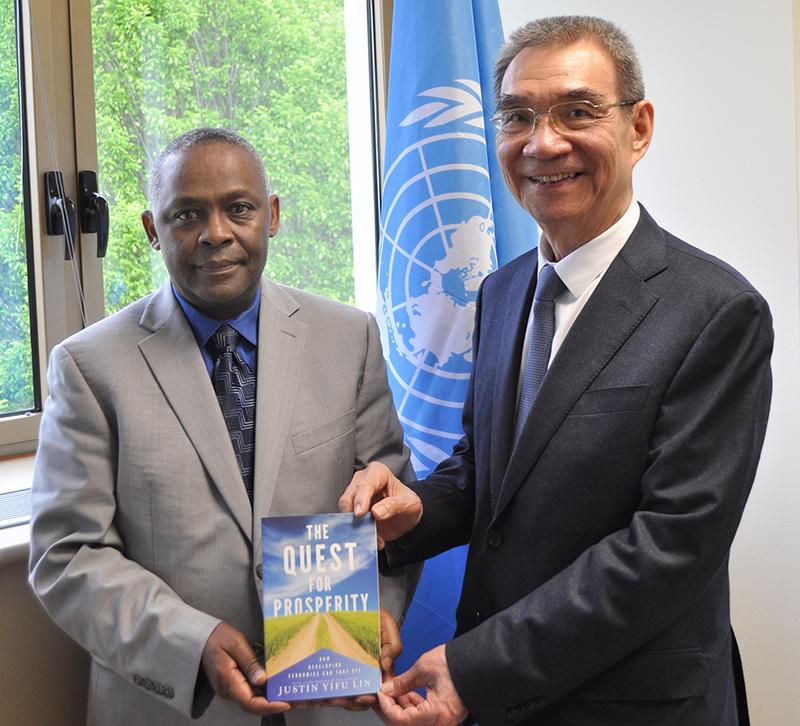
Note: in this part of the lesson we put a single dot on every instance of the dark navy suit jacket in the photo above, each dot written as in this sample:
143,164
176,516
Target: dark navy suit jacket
596,590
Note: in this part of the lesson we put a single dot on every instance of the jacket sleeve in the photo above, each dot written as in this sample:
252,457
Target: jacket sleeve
128,618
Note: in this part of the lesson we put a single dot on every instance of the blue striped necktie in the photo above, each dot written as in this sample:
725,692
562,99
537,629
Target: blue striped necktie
548,287
235,386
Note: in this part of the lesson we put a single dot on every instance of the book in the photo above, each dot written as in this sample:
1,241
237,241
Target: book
321,609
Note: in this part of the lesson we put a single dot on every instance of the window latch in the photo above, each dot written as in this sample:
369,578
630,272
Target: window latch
93,208
60,216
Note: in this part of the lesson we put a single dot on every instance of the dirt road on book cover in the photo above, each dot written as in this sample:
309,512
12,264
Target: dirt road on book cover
322,631
344,643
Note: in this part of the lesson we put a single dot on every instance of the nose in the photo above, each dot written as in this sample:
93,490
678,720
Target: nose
544,142
217,230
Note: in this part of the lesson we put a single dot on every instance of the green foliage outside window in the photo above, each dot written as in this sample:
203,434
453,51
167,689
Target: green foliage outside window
16,377
272,70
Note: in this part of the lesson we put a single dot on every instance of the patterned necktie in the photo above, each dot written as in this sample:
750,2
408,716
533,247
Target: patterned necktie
235,386
548,287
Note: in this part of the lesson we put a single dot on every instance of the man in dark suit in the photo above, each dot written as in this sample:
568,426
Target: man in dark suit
612,432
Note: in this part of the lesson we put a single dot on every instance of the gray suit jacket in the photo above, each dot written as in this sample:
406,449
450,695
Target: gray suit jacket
143,537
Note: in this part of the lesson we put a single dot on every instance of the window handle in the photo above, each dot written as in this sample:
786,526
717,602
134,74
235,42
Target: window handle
94,210
60,212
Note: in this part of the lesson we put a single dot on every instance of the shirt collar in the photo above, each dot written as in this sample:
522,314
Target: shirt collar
203,327
585,264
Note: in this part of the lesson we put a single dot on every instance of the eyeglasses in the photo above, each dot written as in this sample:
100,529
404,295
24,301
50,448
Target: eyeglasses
564,117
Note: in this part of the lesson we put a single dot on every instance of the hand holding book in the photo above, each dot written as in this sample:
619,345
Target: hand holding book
400,704
391,645
235,672
395,508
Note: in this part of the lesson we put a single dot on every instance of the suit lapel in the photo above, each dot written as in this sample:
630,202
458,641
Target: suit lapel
281,339
177,364
615,309
504,395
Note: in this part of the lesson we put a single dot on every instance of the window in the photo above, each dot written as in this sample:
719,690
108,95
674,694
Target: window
274,71
107,83
39,289
18,393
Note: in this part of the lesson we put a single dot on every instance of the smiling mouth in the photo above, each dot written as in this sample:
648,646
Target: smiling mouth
217,266
552,178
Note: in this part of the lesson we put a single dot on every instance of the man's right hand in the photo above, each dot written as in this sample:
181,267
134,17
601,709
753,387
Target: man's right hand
235,672
396,508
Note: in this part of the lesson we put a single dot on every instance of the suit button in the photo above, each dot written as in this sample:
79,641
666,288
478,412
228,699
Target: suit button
495,539
260,571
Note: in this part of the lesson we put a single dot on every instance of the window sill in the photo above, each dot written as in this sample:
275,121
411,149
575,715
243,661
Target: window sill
15,473
14,544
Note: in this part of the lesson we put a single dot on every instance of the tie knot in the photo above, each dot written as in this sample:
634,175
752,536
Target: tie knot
548,285
225,339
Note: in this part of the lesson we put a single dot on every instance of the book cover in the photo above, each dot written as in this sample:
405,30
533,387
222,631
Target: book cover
321,609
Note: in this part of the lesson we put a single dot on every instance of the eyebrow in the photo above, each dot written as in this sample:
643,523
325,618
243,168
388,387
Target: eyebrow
585,93
227,197
510,101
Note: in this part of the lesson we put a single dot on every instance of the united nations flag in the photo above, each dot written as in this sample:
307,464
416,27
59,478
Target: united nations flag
446,218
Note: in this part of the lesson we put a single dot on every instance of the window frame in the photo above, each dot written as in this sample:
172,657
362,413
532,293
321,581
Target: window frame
56,72
53,308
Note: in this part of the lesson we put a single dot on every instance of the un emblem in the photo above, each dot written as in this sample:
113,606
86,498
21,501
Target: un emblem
437,246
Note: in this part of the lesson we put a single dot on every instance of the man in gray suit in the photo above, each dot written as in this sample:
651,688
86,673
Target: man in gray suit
145,531
617,407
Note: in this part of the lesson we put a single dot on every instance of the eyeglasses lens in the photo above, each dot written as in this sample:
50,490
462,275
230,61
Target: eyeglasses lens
573,116
568,116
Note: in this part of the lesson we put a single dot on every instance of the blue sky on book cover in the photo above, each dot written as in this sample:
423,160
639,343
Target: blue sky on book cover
321,620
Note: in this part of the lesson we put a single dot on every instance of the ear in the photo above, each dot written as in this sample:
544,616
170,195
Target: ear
150,229
275,214
642,128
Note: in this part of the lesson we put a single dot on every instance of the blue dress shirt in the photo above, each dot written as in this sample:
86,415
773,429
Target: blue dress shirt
203,327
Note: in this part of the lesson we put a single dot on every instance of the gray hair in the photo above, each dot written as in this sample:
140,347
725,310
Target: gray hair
565,29
203,136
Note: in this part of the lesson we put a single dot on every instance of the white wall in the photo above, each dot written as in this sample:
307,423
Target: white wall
731,188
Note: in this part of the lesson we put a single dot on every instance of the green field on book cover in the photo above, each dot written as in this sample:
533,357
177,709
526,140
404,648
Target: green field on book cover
321,609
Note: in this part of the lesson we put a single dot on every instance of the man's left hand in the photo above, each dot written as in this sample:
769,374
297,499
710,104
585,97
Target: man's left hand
391,645
442,706
395,508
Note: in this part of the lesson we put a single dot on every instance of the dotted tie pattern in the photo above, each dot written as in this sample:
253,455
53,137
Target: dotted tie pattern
235,386
548,287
